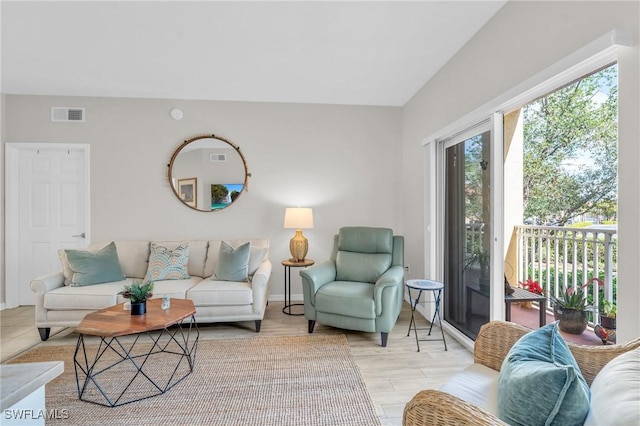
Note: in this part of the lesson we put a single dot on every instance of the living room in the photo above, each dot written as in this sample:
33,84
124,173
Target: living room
353,164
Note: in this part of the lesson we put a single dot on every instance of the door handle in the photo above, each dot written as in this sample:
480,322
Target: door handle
83,235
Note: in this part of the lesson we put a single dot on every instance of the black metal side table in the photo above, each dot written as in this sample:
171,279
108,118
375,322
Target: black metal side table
425,285
288,264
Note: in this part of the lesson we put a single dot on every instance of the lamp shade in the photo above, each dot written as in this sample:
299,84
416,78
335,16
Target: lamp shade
298,218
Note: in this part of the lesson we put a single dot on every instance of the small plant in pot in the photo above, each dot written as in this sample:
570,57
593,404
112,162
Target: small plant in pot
608,315
571,308
138,293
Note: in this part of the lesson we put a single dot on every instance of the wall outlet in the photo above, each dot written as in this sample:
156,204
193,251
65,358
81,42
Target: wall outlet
407,269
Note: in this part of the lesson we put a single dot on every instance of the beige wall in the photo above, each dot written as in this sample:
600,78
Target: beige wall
522,39
341,160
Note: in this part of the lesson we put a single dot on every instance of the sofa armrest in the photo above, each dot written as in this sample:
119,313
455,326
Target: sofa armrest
432,407
259,285
46,283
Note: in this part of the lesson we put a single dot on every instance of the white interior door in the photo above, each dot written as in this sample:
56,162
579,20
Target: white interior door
49,208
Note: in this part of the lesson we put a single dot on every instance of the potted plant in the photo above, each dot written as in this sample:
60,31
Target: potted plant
571,308
482,258
138,293
608,315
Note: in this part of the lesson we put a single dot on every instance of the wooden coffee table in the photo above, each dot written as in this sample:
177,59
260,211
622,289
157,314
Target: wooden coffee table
137,356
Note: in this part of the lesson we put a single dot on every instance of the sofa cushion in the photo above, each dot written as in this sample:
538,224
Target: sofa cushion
172,288
94,268
88,297
259,252
615,392
134,257
197,254
476,384
168,264
213,293
348,298
540,382
233,264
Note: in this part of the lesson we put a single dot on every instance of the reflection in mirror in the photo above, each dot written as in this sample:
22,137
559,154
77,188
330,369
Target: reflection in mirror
208,173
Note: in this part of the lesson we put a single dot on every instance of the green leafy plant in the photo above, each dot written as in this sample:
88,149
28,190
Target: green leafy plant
575,298
610,309
137,292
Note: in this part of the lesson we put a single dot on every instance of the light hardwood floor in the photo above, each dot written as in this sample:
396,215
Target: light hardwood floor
392,374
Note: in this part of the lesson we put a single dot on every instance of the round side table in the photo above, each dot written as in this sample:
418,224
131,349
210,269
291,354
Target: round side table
425,285
288,264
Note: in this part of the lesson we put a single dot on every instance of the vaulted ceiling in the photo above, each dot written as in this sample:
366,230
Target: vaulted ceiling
362,53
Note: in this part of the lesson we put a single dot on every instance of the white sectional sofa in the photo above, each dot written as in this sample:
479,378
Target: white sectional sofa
59,304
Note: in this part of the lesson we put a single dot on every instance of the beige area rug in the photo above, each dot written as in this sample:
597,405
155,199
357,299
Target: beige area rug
288,380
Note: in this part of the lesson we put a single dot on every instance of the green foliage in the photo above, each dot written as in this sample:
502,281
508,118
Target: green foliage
219,193
137,292
610,309
571,299
570,150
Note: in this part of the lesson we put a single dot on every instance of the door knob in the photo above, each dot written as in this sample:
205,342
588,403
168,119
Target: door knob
83,235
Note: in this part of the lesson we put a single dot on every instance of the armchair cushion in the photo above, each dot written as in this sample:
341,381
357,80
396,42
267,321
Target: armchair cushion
365,240
361,267
540,382
352,299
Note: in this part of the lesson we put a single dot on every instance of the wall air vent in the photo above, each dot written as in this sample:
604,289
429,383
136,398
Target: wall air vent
67,114
217,157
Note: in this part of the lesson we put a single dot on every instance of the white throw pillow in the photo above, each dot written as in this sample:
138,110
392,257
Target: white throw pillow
615,392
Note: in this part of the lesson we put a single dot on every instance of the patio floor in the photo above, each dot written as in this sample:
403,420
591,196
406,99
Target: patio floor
530,318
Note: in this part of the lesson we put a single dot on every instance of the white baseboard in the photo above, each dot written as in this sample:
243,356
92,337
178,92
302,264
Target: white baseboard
280,298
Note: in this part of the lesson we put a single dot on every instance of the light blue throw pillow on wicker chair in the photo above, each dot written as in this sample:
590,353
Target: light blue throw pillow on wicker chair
540,382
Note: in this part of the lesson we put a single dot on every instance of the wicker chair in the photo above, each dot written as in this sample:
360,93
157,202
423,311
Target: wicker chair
433,407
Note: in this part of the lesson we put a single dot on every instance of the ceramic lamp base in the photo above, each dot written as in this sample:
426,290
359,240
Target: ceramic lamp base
298,246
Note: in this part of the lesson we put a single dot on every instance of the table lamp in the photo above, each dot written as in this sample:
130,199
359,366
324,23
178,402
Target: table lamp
298,218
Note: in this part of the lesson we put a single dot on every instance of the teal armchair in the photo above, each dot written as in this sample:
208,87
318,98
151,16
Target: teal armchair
361,286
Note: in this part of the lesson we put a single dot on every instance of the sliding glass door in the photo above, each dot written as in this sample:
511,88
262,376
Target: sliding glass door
467,233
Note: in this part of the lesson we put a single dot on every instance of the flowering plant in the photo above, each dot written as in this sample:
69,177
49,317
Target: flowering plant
576,298
532,286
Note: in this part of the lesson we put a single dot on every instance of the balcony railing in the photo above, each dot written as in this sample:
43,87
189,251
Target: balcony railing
562,257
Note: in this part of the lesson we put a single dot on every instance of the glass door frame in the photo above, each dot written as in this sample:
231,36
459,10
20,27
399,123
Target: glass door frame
435,154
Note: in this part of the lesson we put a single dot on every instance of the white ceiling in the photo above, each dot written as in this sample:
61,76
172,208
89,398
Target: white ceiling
362,53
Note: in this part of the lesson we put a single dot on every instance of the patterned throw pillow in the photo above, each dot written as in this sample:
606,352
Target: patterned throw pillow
167,264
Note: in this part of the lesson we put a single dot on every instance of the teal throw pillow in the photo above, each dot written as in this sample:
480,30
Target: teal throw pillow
94,268
540,382
233,264
167,264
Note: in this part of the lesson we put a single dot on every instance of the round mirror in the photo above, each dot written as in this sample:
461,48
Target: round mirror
208,173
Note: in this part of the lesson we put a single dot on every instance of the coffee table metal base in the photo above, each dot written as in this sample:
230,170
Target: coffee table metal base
143,364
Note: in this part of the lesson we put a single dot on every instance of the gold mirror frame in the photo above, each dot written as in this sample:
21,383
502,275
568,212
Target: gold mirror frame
189,186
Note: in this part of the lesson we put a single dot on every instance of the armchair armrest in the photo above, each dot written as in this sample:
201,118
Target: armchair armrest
313,278
319,275
391,278
46,283
432,407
